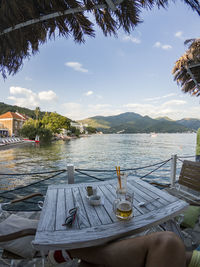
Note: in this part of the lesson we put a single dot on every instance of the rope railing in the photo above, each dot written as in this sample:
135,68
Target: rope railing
129,169
30,173
162,163
8,194
34,183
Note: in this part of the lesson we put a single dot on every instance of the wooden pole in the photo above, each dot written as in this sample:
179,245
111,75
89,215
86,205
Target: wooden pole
70,173
173,170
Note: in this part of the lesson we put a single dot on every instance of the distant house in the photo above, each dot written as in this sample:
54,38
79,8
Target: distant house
11,123
79,126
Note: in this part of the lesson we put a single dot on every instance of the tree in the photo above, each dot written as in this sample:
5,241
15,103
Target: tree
37,112
55,122
31,128
91,129
75,131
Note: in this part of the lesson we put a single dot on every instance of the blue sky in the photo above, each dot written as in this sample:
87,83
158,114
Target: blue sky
108,75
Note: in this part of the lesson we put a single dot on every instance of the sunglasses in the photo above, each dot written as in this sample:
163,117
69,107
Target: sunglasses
71,218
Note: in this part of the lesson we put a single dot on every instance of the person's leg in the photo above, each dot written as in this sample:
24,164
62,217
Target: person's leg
162,249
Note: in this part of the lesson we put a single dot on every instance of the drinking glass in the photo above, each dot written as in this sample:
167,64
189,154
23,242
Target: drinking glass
123,206
122,183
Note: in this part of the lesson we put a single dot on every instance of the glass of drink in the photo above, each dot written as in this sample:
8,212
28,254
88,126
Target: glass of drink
123,206
122,183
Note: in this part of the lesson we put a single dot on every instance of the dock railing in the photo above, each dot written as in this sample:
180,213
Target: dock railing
41,180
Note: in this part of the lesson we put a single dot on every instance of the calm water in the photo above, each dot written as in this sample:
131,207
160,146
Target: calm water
99,152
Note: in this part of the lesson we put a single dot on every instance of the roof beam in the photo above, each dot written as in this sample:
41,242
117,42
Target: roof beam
194,65
49,16
193,78
110,3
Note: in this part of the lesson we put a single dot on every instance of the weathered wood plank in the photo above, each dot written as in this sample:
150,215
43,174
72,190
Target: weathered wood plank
149,196
157,191
82,216
60,210
47,221
100,234
108,202
70,204
91,212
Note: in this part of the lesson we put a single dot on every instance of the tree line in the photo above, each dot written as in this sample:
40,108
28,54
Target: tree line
49,125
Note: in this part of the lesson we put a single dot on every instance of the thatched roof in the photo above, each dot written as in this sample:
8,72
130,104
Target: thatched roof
25,24
187,68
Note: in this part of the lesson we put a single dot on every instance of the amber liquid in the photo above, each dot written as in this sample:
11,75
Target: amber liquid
124,210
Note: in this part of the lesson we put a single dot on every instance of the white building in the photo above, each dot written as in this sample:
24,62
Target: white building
79,126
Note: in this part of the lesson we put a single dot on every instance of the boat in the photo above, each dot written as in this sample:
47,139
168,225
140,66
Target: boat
37,140
153,134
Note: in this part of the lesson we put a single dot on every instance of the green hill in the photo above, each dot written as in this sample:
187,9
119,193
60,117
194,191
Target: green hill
29,112
5,108
190,123
131,122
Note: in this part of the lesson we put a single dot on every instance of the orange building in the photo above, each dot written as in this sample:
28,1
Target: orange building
12,122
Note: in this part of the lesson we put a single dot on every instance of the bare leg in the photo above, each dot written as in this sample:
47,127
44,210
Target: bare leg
161,249
188,258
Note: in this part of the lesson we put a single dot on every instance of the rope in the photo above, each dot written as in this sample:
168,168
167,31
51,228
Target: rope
132,169
25,186
89,175
163,163
31,173
186,157
179,159
155,169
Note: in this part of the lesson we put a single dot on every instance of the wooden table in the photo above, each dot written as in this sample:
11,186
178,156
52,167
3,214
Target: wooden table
96,225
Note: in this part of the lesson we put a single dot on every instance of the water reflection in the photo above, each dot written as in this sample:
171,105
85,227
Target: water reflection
97,152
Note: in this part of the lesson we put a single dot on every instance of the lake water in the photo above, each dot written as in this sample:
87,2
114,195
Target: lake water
101,152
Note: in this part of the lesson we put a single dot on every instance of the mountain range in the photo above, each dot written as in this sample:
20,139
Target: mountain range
131,122
128,122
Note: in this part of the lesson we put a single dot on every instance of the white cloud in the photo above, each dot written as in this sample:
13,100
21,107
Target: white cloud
174,102
128,38
179,34
78,111
174,109
164,47
170,108
24,97
76,66
19,90
99,107
157,44
89,93
159,97
47,95
28,78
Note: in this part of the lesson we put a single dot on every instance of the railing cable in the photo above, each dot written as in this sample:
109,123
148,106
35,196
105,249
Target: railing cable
99,179
155,169
25,186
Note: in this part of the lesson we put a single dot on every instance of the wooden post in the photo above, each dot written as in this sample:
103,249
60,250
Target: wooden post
70,173
173,170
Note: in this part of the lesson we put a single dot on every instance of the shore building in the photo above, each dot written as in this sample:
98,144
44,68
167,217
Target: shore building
11,123
79,126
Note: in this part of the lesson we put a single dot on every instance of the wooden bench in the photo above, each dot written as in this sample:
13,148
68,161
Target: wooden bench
188,184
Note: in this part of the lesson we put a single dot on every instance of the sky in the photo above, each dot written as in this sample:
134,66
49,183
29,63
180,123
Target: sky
108,75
